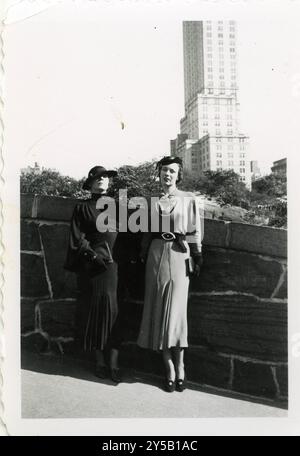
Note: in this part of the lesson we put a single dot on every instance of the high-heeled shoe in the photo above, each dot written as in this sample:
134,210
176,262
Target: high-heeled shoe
115,375
181,384
169,385
101,371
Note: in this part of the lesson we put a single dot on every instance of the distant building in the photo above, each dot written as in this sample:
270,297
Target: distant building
255,171
279,166
209,132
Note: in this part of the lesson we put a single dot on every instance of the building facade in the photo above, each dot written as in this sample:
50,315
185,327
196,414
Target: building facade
211,104
279,166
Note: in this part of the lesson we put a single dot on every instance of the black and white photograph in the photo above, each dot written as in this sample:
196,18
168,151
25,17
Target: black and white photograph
149,167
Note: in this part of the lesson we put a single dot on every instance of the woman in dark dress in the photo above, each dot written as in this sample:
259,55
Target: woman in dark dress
90,255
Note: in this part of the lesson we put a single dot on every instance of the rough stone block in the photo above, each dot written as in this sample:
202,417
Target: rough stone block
30,236
215,233
282,378
34,342
283,290
55,208
26,204
259,239
254,379
239,325
27,315
237,271
55,242
58,318
206,367
33,278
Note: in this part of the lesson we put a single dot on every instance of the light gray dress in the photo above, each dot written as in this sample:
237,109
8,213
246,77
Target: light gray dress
164,321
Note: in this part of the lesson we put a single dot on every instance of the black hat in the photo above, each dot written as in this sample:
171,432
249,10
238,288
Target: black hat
169,160
96,172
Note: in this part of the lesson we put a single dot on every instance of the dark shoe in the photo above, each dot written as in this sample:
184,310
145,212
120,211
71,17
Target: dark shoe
169,385
180,384
115,375
101,371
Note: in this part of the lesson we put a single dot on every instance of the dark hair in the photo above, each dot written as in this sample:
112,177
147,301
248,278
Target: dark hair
180,171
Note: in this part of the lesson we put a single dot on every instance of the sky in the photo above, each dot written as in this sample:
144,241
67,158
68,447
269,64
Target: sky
91,83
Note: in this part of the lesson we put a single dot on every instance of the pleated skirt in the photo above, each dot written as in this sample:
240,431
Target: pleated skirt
98,307
164,321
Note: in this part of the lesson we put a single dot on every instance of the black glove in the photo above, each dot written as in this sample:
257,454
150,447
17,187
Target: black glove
198,262
93,263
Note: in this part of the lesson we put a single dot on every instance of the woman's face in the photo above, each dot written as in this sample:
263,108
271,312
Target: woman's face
169,174
100,184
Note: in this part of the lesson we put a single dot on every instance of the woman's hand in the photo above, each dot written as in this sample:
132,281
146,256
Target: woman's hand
198,262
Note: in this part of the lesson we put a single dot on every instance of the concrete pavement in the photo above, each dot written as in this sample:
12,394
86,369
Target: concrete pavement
66,388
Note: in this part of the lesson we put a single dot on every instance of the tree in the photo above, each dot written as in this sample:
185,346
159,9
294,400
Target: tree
141,180
225,186
273,185
50,182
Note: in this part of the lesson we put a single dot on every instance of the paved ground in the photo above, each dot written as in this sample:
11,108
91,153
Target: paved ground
65,388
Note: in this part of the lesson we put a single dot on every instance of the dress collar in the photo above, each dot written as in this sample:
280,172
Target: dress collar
169,195
96,196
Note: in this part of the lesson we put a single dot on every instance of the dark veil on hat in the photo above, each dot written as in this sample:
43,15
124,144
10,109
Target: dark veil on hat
96,172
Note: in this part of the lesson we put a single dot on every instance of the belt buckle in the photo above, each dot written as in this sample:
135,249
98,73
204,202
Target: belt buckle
168,236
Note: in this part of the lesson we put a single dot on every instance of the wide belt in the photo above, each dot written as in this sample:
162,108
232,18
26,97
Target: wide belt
175,237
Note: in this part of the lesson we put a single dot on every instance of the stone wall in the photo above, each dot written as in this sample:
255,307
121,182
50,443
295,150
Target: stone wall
237,310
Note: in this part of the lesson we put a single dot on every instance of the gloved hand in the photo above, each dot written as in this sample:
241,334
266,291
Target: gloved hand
198,262
98,260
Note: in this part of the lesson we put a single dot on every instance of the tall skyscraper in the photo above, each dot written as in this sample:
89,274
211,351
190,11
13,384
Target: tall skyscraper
210,137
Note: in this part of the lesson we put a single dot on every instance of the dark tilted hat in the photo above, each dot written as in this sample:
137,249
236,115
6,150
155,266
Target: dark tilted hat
96,172
169,160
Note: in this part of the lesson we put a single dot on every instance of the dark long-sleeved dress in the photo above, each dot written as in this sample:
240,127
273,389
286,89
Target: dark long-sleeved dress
97,284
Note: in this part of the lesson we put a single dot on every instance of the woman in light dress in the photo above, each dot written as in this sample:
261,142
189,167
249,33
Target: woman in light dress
172,253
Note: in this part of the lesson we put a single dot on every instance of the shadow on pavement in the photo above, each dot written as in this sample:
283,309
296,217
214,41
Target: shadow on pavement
53,364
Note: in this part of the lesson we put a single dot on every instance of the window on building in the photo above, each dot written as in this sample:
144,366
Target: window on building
242,170
221,70
230,140
229,124
229,132
231,35
242,163
219,155
220,42
209,34
230,163
242,155
230,155
222,84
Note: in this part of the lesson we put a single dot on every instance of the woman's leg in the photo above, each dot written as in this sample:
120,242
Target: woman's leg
179,362
100,361
113,358
170,369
